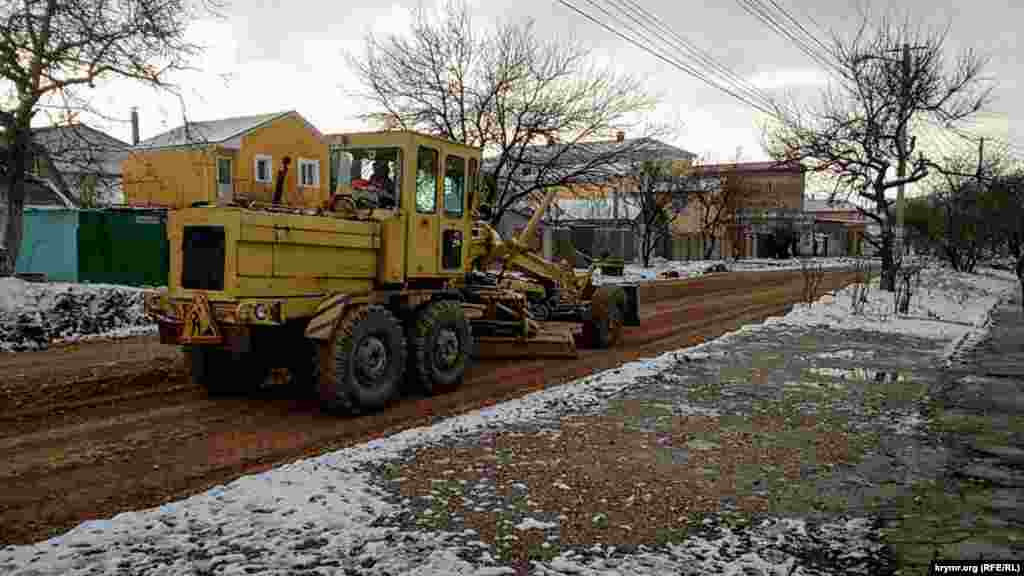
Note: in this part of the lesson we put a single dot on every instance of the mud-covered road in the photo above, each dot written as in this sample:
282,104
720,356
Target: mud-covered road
91,430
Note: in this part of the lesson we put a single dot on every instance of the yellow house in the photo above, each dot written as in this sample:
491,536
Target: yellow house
230,160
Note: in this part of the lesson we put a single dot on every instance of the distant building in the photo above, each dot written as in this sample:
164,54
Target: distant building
221,161
839,228
762,197
599,202
87,161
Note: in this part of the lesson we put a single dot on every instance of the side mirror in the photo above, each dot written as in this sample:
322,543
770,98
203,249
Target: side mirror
484,212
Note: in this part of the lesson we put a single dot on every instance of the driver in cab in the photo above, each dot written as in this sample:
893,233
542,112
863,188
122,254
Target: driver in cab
383,185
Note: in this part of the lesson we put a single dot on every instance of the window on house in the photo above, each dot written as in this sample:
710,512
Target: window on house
454,185
426,180
309,173
264,167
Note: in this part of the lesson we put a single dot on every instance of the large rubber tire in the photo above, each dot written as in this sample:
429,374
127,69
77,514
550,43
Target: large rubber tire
539,311
605,327
369,356
442,342
220,373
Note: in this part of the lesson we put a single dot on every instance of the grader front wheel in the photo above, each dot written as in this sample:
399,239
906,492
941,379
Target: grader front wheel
366,361
442,343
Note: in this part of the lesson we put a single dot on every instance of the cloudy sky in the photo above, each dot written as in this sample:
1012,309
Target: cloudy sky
276,55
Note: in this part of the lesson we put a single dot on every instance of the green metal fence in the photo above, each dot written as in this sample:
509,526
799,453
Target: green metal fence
123,246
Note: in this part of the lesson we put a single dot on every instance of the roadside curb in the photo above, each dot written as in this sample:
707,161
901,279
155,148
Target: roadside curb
957,356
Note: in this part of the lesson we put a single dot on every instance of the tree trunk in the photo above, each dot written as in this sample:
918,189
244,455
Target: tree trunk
1020,275
709,246
888,277
887,280
19,137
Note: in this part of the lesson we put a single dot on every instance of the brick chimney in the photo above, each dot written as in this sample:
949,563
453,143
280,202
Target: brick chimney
135,125
620,136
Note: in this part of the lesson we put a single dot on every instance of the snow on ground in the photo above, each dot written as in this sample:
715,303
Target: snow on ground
317,516
35,314
944,305
661,268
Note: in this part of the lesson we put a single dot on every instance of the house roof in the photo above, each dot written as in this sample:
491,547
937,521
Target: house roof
591,209
574,154
78,148
749,168
222,131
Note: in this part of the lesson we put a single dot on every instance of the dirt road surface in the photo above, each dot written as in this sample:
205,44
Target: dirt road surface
91,430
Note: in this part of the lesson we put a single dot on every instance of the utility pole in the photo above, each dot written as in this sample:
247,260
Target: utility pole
902,168
981,156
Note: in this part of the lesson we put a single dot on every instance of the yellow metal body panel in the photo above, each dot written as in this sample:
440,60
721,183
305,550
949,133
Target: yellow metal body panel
425,246
391,264
293,257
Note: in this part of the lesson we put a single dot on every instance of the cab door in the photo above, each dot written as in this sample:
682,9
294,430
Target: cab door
424,222
453,215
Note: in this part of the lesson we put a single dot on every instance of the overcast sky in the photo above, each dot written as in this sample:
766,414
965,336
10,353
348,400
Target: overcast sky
274,55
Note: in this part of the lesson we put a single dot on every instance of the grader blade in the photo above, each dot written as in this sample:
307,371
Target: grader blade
552,340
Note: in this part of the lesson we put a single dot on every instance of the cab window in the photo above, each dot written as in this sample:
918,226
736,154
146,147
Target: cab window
375,173
454,185
426,180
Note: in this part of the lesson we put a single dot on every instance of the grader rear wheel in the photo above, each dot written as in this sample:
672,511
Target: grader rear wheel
362,368
441,342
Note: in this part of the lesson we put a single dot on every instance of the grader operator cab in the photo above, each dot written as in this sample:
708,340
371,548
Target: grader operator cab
372,290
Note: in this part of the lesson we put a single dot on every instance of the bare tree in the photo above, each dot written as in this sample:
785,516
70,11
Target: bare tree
534,106
862,131
965,209
53,51
717,199
656,188
84,164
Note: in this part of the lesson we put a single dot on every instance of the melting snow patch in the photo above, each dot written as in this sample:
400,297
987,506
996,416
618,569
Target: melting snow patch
846,354
531,524
945,305
33,315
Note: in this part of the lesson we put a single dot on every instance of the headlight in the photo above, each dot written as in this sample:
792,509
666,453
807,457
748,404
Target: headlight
262,311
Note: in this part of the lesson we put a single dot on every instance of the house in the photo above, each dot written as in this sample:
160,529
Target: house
590,208
230,160
762,196
839,227
87,163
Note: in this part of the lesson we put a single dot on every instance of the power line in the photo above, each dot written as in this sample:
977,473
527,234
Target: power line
763,13
793,19
724,72
760,105
660,56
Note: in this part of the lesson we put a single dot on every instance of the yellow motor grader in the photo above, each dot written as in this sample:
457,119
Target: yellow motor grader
356,297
